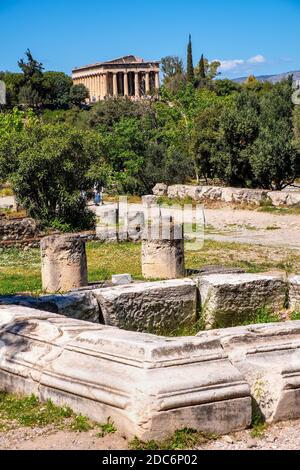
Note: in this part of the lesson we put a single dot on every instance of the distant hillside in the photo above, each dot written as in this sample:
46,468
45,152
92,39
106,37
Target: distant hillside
272,78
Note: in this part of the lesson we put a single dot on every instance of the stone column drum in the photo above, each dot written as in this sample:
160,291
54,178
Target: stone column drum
64,263
163,256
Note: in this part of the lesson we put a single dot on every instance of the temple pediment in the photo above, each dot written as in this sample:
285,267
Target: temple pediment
127,59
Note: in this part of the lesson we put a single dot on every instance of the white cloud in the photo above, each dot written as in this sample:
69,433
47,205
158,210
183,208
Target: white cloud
241,65
229,65
257,59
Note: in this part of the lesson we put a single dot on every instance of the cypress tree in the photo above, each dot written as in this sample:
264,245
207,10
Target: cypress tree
202,74
190,66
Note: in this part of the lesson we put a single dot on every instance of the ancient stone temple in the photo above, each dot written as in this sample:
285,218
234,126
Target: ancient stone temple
127,76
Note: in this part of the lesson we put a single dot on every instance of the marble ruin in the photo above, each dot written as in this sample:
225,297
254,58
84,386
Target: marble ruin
163,251
127,76
64,263
99,349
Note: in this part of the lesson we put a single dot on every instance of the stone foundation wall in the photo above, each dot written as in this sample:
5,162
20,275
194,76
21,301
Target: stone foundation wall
22,232
229,195
218,300
150,385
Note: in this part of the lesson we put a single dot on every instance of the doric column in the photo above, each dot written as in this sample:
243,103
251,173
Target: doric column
147,83
104,78
97,86
100,86
115,84
126,87
136,84
89,86
157,80
93,86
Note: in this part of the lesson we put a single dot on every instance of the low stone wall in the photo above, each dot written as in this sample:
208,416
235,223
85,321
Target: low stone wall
229,195
170,306
149,385
19,232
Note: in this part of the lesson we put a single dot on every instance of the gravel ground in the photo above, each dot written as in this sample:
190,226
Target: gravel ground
281,436
262,228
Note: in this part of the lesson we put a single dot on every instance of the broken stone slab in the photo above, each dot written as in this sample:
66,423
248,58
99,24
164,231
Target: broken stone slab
121,279
160,190
229,299
80,305
284,198
149,386
293,199
278,198
163,306
294,293
215,269
268,357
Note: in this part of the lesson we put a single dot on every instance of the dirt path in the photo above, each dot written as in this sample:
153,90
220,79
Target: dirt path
247,226
282,436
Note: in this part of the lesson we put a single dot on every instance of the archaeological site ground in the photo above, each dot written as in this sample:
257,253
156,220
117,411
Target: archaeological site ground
149,229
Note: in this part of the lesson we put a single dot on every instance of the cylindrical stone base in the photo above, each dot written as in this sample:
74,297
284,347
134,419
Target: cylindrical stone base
163,258
64,263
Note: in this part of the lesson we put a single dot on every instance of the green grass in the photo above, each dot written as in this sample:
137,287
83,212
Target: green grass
258,425
280,210
180,440
107,428
262,315
29,412
4,192
81,424
295,316
20,270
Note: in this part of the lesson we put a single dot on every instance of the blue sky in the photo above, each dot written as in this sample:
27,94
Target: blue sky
248,36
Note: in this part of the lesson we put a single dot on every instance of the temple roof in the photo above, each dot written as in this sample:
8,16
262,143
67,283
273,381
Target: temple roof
127,59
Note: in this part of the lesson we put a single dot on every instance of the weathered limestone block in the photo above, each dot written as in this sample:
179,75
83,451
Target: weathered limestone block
121,279
277,198
80,305
227,300
294,293
293,199
249,196
64,263
210,193
161,306
163,250
268,356
160,189
178,191
150,386
228,195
